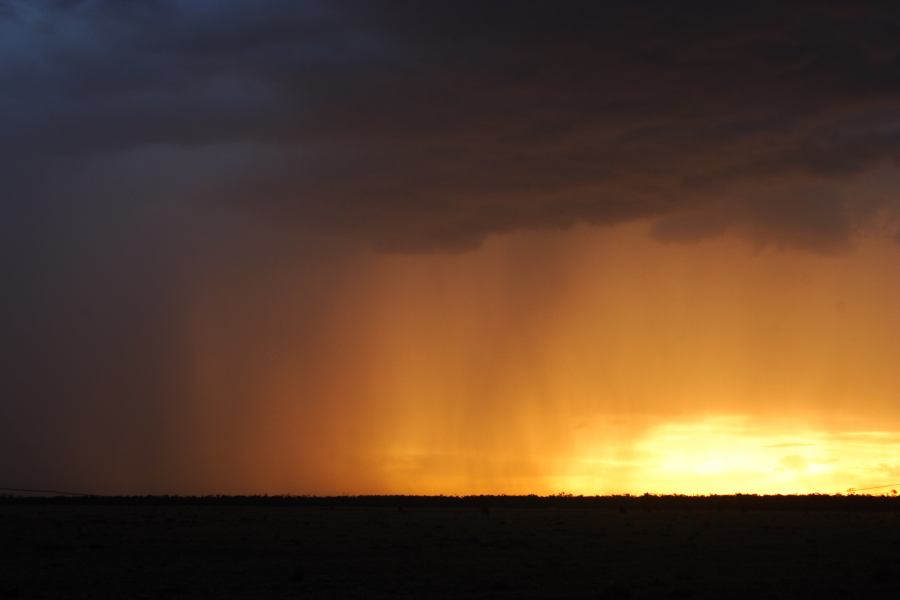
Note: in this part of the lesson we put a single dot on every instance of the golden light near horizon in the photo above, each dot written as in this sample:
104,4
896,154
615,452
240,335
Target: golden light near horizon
320,248
537,365
735,454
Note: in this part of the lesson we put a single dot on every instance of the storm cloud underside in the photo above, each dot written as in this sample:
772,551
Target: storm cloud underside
187,186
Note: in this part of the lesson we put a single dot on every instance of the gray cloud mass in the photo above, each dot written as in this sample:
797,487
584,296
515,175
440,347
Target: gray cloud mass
415,127
166,163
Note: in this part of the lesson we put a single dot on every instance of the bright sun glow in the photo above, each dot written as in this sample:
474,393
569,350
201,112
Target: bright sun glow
724,455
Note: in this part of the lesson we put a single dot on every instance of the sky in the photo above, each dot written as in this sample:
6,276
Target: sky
354,247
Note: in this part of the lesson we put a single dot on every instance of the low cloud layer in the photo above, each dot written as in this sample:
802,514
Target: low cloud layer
182,182
417,127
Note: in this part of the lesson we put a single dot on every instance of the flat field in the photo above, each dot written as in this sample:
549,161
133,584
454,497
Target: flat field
626,549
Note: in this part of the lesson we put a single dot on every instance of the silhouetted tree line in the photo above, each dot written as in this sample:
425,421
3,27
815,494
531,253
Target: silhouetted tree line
814,502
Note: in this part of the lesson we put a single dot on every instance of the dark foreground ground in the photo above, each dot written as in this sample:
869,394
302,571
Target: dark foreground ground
624,548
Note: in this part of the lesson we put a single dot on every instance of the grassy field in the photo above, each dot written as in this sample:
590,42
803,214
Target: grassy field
94,549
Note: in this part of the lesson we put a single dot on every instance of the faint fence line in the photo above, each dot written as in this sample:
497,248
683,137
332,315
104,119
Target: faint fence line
49,492
874,487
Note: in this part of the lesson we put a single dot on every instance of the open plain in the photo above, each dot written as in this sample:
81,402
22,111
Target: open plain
635,547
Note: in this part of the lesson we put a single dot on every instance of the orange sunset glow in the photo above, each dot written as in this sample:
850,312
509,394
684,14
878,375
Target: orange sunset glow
348,248
586,361
466,299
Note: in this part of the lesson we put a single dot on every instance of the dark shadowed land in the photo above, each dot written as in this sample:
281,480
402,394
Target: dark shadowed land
421,547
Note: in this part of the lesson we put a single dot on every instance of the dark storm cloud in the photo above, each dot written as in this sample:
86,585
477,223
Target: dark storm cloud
146,147
415,126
